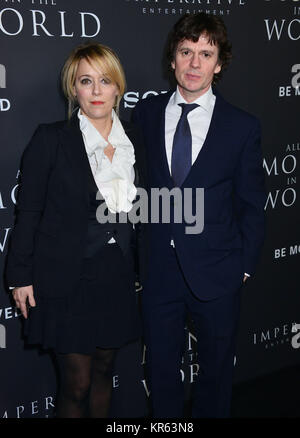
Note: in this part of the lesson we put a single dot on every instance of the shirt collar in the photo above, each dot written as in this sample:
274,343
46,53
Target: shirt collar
205,101
91,135
93,139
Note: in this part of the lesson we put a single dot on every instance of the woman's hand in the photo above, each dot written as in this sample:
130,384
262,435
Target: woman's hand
21,294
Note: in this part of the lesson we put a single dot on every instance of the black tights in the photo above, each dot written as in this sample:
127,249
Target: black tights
85,384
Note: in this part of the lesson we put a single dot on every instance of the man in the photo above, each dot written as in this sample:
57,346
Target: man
195,139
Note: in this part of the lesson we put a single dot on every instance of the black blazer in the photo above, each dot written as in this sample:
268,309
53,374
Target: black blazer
48,240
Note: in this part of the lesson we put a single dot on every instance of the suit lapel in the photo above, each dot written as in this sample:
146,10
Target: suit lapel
160,140
73,145
132,135
215,137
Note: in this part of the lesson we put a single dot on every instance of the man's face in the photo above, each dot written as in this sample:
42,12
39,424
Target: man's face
195,65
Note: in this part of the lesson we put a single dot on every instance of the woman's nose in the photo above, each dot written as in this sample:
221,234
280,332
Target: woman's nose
96,88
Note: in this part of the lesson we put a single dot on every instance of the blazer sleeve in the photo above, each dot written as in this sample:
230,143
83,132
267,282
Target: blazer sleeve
250,198
142,182
36,166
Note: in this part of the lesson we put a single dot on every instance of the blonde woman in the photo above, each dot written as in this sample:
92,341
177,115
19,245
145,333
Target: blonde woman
71,276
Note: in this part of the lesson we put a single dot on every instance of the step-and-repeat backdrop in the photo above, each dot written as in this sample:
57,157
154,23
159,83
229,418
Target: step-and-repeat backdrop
35,38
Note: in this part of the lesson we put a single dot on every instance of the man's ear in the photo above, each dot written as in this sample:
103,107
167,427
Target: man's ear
218,68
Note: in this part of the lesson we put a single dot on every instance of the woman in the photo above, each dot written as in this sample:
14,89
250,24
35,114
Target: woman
74,273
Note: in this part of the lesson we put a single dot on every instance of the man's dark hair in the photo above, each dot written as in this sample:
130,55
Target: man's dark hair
190,27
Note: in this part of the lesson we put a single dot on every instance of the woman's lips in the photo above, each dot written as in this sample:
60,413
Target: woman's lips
97,102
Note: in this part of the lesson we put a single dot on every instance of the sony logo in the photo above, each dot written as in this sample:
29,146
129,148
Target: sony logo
131,98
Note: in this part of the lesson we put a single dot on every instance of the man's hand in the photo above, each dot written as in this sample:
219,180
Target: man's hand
21,294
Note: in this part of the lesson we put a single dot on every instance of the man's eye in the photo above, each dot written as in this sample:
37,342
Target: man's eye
206,55
185,52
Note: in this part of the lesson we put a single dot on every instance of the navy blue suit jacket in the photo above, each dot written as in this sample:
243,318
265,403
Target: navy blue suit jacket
229,168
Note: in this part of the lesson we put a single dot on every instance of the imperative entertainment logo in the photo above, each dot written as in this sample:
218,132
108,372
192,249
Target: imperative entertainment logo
180,7
14,22
42,408
280,335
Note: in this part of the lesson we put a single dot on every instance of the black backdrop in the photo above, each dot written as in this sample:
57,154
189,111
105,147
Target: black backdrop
35,37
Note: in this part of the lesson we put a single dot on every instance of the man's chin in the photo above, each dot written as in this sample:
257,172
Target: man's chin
195,91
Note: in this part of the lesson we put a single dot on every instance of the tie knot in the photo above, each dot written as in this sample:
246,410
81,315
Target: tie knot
187,107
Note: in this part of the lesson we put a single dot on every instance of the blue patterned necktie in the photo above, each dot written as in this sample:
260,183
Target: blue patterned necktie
181,161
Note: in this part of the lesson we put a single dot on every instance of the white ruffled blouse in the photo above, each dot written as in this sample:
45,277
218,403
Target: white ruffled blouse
114,178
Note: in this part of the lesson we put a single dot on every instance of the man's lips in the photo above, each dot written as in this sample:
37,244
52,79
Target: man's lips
97,102
192,76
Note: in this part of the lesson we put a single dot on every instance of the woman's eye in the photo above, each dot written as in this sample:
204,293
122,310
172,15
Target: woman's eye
85,81
88,81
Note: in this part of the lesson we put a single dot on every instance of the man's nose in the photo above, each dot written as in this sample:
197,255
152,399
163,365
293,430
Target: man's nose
195,61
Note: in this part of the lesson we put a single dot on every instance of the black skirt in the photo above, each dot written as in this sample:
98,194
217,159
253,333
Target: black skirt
101,312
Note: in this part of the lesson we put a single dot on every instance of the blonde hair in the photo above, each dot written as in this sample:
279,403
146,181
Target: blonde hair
104,58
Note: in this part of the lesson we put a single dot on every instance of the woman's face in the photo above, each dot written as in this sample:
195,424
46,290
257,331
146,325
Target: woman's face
95,93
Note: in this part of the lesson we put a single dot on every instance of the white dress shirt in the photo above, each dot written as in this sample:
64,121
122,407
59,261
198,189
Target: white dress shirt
114,178
199,121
